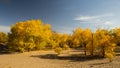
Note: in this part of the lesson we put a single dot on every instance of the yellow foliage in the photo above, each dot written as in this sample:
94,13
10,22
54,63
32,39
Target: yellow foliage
31,32
34,34
3,37
58,50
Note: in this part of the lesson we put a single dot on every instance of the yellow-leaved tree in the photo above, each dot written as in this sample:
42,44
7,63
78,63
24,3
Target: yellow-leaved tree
82,38
29,35
3,37
104,43
77,37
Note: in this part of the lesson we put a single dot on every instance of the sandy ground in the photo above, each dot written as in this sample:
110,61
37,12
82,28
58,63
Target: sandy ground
48,59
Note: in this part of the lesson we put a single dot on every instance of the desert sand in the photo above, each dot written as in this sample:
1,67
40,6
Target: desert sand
48,59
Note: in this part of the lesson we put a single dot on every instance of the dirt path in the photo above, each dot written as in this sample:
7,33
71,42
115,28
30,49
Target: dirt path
48,59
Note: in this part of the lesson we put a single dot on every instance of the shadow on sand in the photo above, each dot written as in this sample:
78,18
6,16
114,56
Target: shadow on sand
4,49
100,63
117,51
117,54
71,57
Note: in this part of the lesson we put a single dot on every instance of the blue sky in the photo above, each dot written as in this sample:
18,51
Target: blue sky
63,15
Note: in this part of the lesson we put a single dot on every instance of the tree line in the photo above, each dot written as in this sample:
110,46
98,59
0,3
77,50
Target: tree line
35,35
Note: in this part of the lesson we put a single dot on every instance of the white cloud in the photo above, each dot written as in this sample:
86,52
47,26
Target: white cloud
108,23
4,28
90,18
85,18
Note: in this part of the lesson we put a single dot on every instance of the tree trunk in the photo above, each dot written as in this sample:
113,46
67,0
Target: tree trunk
85,51
92,46
103,51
